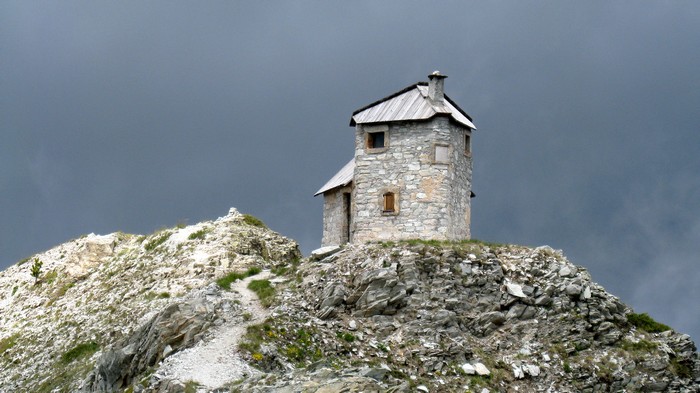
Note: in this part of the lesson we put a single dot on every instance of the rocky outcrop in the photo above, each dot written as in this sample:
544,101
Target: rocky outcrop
122,302
463,316
122,313
177,326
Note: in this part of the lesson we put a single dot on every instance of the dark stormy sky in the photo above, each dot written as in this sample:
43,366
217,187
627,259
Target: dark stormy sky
136,115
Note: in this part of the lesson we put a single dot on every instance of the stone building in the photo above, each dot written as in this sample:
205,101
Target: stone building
411,174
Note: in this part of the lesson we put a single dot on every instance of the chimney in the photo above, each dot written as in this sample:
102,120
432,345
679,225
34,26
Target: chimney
436,87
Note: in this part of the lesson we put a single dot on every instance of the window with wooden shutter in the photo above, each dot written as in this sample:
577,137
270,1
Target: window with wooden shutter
389,201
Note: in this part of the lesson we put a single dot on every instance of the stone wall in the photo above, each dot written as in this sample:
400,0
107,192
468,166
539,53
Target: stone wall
335,217
432,198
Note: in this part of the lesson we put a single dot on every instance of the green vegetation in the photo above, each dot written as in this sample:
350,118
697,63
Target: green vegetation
567,367
226,281
23,261
157,240
346,336
80,351
200,234
439,243
680,369
36,270
641,345
645,322
254,221
8,342
264,290
51,276
153,295
297,346
191,386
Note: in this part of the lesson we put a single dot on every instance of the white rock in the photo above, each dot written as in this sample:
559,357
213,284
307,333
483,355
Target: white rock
586,293
545,357
565,271
518,372
352,325
532,369
323,252
472,257
481,369
422,388
515,290
468,369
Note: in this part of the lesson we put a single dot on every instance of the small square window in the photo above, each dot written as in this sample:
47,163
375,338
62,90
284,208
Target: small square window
375,140
442,154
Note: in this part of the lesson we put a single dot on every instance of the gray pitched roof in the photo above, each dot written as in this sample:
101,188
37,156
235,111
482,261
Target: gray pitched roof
340,179
411,103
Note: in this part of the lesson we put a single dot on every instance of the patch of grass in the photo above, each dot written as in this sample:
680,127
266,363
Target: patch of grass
641,345
153,295
567,367
157,240
254,221
280,271
441,243
14,290
80,351
644,322
8,342
348,337
191,386
200,234
264,290
298,346
680,369
226,281
23,261
51,276
416,242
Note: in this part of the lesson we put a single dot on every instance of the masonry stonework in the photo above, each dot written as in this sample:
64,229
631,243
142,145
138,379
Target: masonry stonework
410,177
432,197
336,216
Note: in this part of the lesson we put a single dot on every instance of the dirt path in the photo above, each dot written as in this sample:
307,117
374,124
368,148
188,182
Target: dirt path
215,361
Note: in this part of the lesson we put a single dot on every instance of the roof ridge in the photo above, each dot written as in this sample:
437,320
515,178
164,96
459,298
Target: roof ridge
398,93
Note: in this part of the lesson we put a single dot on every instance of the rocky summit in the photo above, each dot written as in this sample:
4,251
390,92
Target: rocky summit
230,306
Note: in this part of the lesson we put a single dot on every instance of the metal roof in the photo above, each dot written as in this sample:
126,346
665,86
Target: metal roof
411,103
340,179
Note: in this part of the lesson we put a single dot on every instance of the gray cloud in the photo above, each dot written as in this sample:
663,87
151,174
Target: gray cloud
131,116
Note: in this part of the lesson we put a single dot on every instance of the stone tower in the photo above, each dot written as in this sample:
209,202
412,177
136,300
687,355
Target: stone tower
410,177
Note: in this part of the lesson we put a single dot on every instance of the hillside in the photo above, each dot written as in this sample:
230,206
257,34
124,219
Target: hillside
131,313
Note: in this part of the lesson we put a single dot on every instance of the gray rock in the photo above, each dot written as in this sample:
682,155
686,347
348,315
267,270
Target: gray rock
333,295
324,252
573,290
178,326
